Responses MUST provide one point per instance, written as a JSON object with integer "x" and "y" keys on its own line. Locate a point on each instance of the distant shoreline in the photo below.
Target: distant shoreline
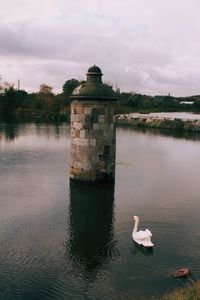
{"x": 160, "y": 121}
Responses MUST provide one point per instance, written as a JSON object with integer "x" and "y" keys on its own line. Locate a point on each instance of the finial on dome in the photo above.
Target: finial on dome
{"x": 94, "y": 70}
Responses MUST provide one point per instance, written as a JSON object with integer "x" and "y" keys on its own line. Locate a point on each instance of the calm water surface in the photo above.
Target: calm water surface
{"x": 72, "y": 241}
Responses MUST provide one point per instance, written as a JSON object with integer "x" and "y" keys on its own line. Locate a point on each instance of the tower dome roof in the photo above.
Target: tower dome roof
{"x": 94, "y": 70}
{"x": 94, "y": 88}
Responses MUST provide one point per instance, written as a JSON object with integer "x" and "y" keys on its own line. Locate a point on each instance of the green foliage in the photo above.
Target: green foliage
{"x": 142, "y": 103}
{"x": 11, "y": 99}
{"x": 197, "y": 104}
{"x": 44, "y": 102}
{"x": 69, "y": 86}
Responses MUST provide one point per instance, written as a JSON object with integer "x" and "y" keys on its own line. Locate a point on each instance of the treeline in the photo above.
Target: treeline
{"x": 131, "y": 102}
{"x": 43, "y": 104}
{"x": 46, "y": 105}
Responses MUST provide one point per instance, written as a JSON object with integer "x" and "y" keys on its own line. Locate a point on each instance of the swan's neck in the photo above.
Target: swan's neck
{"x": 136, "y": 225}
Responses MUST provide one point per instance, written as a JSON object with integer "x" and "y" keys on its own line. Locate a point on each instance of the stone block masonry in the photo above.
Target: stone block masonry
{"x": 92, "y": 141}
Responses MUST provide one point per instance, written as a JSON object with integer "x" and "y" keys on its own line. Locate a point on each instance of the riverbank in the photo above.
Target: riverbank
{"x": 160, "y": 121}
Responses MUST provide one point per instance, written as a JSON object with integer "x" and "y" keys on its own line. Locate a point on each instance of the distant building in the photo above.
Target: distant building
{"x": 160, "y": 97}
{"x": 163, "y": 97}
{"x": 187, "y": 102}
{"x": 196, "y": 97}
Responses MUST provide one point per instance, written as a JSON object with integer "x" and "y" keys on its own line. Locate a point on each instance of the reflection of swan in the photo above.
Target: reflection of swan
{"x": 142, "y": 237}
{"x": 146, "y": 251}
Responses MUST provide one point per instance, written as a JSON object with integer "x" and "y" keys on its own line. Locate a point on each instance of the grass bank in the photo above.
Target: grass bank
{"x": 191, "y": 292}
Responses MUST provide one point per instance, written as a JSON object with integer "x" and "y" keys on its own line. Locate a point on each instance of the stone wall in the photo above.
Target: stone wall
{"x": 92, "y": 141}
{"x": 158, "y": 122}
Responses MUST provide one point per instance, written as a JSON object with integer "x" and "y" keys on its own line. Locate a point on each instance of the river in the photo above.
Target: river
{"x": 62, "y": 240}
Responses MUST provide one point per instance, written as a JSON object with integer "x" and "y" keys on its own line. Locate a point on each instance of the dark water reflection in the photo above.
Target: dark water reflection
{"x": 62, "y": 240}
{"x": 10, "y": 131}
{"x": 179, "y": 134}
{"x": 144, "y": 250}
{"x": 91, "y": 225}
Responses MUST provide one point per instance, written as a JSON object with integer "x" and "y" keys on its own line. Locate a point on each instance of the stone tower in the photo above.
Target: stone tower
{"x": 92, "y": 130}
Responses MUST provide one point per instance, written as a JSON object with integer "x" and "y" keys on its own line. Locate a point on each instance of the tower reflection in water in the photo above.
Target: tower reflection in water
{"x": 91, "y": 231}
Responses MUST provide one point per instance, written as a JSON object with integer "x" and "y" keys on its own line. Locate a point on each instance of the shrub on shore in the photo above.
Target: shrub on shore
{"x": 191, "y": 292}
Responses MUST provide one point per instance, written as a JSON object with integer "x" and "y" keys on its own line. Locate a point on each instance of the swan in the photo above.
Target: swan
{"x": 142, "y": 237}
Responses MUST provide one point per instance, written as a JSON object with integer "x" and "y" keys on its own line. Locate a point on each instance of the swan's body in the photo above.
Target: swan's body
{"x": 142, "y": 237}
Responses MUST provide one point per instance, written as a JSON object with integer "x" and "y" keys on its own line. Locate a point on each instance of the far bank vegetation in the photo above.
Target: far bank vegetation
{"x": 45, "y": 104}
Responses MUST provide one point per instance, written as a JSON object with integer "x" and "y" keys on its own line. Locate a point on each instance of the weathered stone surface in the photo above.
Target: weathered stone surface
{"x": 77, "y": 125}
{"x": 88, "y": 110}
{"x": 92, "y": 141}
{"x": 81, "y": 142}
{"x": 96, "y": 126}
{"x": 78, "y": 109}
{"x": 81, "y": 118}
{"x": 101, "y": 118}
{"x": 82, "y": 133}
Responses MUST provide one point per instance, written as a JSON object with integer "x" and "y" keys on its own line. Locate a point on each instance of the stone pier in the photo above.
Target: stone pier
{"x": 92, "y": 130}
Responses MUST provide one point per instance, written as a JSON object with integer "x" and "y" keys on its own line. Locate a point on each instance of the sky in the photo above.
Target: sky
{"x": 150, "y": 47}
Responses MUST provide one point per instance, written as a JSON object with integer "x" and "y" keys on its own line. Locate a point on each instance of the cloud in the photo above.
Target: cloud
{"x": 144, "y": 46}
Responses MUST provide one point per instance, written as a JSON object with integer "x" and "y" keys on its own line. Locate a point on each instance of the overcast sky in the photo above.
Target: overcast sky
{"x": 146, "y": 46}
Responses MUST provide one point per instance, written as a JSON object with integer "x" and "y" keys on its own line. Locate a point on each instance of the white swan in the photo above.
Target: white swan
{"x": 142, "y": 237}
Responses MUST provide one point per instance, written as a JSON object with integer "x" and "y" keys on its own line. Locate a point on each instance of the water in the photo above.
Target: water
{"x": 73, "y": 241}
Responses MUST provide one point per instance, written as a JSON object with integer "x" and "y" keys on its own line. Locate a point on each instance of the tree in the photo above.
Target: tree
{"x": 45, "y": 89}
{"x": 5, "y": 86}
{"x": 11, "y": 100}
{"x": 69, "y": 86}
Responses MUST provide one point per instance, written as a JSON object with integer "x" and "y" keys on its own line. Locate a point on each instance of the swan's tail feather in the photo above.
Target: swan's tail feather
{"x": 147, "y": 244}
{"x": 148, "y": 232}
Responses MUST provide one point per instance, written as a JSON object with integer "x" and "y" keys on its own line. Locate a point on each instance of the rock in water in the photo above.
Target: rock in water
{"x": 182, "y": 273}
